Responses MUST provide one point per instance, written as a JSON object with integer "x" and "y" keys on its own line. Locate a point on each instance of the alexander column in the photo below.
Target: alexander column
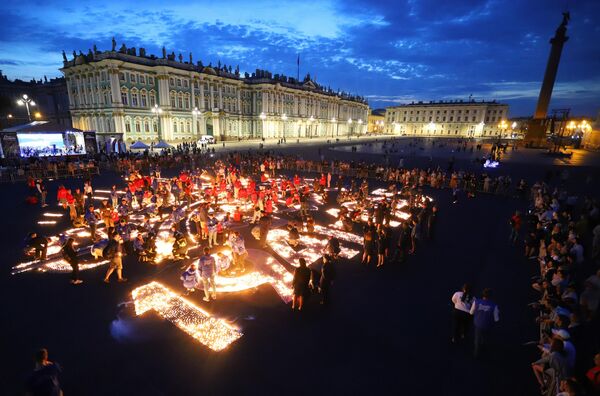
{"x": 536, "y": 132}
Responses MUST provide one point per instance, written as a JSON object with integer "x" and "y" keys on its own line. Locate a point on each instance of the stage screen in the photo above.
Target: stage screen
{"x": 51, "y": 144}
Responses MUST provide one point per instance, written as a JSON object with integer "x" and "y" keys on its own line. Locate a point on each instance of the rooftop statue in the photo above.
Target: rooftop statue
{"x": 114, "y": 44}
{"x": 95, "y": 49}
{"x": 180, "y": 58}
{"x": 191, "y": 62}
{"x": 64, "y": 56}
{"x": 164, "y": 52}
{"x": 123, "y": 49}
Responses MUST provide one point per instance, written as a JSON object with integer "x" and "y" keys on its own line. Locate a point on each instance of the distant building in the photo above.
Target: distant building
{"x": 114, "y": 93}
{"x": 376, "y": 122}
{"x": 50, "y": 96}
{"x": 448, "y": 118}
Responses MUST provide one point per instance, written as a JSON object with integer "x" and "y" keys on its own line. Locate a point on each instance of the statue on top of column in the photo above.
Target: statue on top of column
{"x": 566, "y": 18}
{"x": 114, "y": 44}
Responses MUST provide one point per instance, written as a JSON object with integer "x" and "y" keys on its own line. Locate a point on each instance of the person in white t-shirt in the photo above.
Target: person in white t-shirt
{"x": 461, "y": 316}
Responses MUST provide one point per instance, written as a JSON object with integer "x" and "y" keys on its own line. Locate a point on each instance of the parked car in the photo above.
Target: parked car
{"x": 206, "y": 139}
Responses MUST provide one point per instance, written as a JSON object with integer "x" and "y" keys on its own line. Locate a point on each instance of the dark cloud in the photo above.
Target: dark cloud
{"x": 388, "y": 50}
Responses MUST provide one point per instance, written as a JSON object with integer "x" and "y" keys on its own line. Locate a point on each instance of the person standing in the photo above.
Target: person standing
{"x": 515, "y": 226}
{"x": 461, "y": 316}
{"x": 41, "y": 188}
{"x": 114, "y": 197}
{"x": 70, "y": 256}
{"x": 44, "y": 378}
{"x": 208, "y": 269}
{"x": 238, "y": 248}
{"x": 300, "y": 284}
{"x": 91, "y": 217}
{"x": 485, "y": 315}
{"x": 114, "y": 252}
{"x": 327, "y": 277}
{"x": 212, "y": 224}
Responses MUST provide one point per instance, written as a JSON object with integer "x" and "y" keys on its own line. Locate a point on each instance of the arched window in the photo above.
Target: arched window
{"x": 152, "y": 98}
{"x": 146, "y": 126}
{"x": 175, "y": 126}
{"x": 138, "y": 125}
{"x": 124, "y": 98}
{"x": 181, "y": 127}
{"x": 180, "y": 102}
{"x": 144, "y": 98}
{"x": 127, "y": 125}
{"x": 173, "y": 100}
{"x": 134, "y": 98}
{"x": 155, "y": 126}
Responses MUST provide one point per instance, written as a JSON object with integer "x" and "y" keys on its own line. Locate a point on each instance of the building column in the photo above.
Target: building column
{"x": 202, "y": 96}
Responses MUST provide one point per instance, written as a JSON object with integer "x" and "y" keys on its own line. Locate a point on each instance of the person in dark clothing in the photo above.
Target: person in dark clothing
{"x": 39, "y": 243}
{"x": 44, "y": 379}
{"x": 70, "y": 256}
{"x": 300, "y": 284}
{"x": 485, "y": 315}
{"x": 461, "y": 315}
{"x": 333, "y": 246}
{"x": 369, "y": 242}
{"x": 264, "y": 225}
{"x": 327, "y": 277}
{"x": 382, "y": 246}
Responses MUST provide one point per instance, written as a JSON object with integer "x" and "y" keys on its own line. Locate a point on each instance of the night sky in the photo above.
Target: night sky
{"x": 388, "y": 51}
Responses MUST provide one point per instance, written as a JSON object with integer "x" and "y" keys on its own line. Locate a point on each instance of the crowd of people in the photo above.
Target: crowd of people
{"x": 221, "y": 191}
{"x": 561, "y": 239}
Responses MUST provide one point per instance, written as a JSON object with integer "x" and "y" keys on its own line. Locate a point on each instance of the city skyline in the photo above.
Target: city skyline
{"x": 388, "y": 52}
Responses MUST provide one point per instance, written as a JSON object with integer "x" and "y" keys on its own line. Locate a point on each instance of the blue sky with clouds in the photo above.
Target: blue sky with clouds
{"x": 389, "y": 51}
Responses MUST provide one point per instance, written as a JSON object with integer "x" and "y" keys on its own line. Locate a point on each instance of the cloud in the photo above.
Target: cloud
{"x": 385, "y": 49}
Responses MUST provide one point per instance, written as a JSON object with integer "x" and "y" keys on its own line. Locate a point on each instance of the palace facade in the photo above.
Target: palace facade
{"x": 448, "y": 119}
{"x": 125, "y": 94}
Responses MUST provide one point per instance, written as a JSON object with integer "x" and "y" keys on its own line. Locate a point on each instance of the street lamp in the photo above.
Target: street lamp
{"x": 502, "y": 126}
{"x": 157, "y": 111}
{"x": 26, "y": 101}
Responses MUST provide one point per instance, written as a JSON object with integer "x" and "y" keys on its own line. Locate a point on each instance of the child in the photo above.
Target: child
{"x": 190, "y": 278}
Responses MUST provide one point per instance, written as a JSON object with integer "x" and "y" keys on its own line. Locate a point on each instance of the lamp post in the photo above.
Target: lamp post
{"x": 195, "y": 114}
{"x": 158, "y": 111}
{"x": 503, "y": 126}
{"x": 26, "y": 101}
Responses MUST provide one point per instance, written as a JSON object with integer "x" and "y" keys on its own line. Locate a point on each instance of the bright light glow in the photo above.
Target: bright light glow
{"x": 215, "y": 333}
{"x": 53, "y": 214}
{"x": 46, "y": 222}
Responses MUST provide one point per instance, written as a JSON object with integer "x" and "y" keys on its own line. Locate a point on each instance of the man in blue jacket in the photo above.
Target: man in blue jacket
{"x": 485, "y": 315}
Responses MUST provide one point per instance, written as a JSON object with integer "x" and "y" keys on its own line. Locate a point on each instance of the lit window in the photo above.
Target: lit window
{"x": 124, "y": 98}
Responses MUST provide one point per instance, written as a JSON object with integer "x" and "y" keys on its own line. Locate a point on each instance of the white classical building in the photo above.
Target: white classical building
{"x": 128, "y": 95}
{"x": 448, "y": 119}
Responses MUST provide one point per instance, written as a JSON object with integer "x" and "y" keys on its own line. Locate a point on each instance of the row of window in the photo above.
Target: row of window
{"x": 136, "y": 98}
{"x": 135, "y": 78}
